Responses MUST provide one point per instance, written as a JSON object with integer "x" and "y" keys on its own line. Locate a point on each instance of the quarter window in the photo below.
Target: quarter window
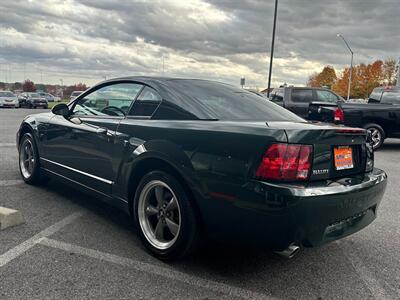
{"x": 146, "y": 104}
{"x": 302, "y": 95}
{"x": 111, "y": 100}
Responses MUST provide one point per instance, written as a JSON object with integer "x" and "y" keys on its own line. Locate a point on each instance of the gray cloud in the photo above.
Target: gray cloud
{"x": 209, "y": 39}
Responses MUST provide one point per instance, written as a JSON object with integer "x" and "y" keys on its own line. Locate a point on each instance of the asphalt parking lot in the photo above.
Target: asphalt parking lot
{"x": 72, "y": 246}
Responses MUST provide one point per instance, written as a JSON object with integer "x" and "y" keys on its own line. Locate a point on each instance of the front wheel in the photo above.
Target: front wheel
{"x": 377, "y": 135}
{"x": 165, "y": 216}
{"x": 29, "y": 160}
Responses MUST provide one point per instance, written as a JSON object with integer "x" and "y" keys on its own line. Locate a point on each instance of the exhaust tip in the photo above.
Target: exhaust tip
{"x": 289, "y": 252}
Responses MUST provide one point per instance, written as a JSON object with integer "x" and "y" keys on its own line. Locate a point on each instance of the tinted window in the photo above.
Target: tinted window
{"x": 392, "y": 97}
{"x": 146, "y": 103}
{"x": 226, "y": 102}
{"x": 326, "y": 96}
{"x": 302, "y": 95}
{"x": 112, "y": 100}
{"x": 376, "y": 95}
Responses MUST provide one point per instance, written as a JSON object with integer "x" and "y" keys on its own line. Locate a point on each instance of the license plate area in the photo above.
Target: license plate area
{"x": 343, "y": 158}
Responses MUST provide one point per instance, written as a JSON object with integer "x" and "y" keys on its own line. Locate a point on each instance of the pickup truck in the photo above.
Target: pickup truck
{"x": 298, "y": 99}
{"x": 380, "y": 116}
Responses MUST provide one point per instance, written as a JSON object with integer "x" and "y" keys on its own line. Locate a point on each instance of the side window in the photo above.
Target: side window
{"x": 110, "y": 100}
{"x": 302, "y": 95}
{"x": 146, "y": 104}
{"x": 326, "y": 96}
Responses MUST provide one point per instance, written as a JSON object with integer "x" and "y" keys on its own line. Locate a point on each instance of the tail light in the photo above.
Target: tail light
{"x": 339, "y": 115}
{"x": 288, "y": 162}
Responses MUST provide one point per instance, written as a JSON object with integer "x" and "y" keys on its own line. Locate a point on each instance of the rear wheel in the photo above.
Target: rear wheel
{"x": 377, "y": 134}
{"x": 165, "y": 217}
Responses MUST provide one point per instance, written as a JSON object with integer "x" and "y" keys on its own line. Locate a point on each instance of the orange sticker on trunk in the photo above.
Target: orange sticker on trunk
{"x": 343, "y": 158}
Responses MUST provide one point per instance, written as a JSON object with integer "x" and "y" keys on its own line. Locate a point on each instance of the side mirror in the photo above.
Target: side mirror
{"x": 61, "y": 109}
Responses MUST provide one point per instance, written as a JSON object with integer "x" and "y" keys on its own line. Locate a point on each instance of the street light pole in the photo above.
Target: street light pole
{"x": 272, "y": 48}
{"x": 351, "y": 65}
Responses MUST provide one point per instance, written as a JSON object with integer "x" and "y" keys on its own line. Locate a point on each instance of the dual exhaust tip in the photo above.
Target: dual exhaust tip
{"x": 289, "y": 252}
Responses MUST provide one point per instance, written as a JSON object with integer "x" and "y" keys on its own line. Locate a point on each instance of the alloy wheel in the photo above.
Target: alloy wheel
{"x": 376, "y": 136}
{"x": 27, "y": 158}
{"x": 159, "y": 214}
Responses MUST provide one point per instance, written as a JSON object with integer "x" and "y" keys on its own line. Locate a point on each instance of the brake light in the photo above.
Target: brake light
{"x": 339, "y": 115}
{"x": 288, "y": 162}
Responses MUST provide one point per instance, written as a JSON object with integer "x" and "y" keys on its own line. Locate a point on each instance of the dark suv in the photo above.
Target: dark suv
{"x": 32, "y": 100}
{"x": 297, "y": 99}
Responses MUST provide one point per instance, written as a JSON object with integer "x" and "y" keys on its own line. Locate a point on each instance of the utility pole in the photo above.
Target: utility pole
{"x": 351, "y": 65}
{"x": 398, "y": 73}
{"x": 272, "y": 49}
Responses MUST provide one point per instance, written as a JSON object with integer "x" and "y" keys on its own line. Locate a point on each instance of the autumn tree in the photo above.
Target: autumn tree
{"x": 28, "y": 86}
{"x": 390, "y": 70}
{"x": 327, "y": 77}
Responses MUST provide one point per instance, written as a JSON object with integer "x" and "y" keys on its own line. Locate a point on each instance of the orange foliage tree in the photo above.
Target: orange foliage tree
{"x": 326, "y": 78}
{"x": 365, "y": 77}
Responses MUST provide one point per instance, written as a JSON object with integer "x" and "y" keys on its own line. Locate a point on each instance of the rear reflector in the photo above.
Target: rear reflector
{"x": 288, "y": 162}
{"x": 339, "y": 115}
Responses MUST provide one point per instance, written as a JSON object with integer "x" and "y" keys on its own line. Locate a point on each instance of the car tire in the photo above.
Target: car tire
{"x": 377, "y": 134}
{"x": 165, "y": 216}
{"x": 28, "y": 161}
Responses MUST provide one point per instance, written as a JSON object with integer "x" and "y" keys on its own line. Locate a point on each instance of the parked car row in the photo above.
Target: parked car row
{"x": 30, "y": 99}
{"x": 8, "y": 99}
{"x": 380, "y": 116}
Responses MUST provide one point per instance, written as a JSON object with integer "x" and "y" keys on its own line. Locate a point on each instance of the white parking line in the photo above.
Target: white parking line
{"x": 13, "y": 253}
{"x": 8, "y": 145}
{"x": 155, "y": 270}
{"x": 370, "y": 280}
{"x": 11, "y": 182}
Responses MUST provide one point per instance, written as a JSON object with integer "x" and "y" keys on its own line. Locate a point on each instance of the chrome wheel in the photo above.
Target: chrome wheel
{"x": 159, "y": 214}
{"x": 376, "y": 136}
{"x": 27, "y": 158}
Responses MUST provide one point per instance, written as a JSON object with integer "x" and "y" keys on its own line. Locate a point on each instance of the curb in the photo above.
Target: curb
{"x": 10, "y": 217}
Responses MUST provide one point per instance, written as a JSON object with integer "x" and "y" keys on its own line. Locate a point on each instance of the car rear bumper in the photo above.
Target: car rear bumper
{"x": 281, "y": 214}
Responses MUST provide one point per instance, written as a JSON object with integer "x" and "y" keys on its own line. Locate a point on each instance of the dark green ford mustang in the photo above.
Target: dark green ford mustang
{"x": 190, "y": 158}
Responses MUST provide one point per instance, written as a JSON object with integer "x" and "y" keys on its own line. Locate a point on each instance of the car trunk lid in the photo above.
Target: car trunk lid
{"x": 337, "y": 151}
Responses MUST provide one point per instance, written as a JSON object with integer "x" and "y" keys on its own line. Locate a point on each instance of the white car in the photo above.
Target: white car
{"x": 49, "y": 97}
{"x": 8, "y": 99}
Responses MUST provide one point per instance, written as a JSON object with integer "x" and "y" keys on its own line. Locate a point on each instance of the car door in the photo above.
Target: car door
{"x": 82, "y": 147}
{"x": 326, "y": 96}
{"x": 300, "y": 100}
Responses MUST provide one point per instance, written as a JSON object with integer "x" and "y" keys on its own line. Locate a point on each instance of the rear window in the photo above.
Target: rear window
{"x": 302, "y": 95}
{"x": 391, "y": 97}
{"x": 6, "y": 94}
{"x": 376, "y": 95}
{"x": 277, "y": 95}
{"x": 226, "y": 102}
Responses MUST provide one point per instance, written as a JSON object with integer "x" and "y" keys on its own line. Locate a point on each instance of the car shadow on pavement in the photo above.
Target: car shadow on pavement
{"x": 251, "y": 268}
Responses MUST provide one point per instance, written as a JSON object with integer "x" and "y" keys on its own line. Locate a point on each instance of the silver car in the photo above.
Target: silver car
{"x": 8, "y": 99}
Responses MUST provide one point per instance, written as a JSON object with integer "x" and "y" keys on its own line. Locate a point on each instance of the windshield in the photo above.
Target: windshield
{"x": 6, "y": 94}
{"x": 226, "y": 102}
{"x": 34, "y": 95}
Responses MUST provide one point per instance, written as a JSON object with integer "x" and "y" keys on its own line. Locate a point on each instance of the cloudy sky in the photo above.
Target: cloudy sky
{"x": 89, "y": 40}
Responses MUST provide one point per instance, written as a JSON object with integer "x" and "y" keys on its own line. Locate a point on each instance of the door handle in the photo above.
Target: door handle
{"x": 101, "y": 131}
